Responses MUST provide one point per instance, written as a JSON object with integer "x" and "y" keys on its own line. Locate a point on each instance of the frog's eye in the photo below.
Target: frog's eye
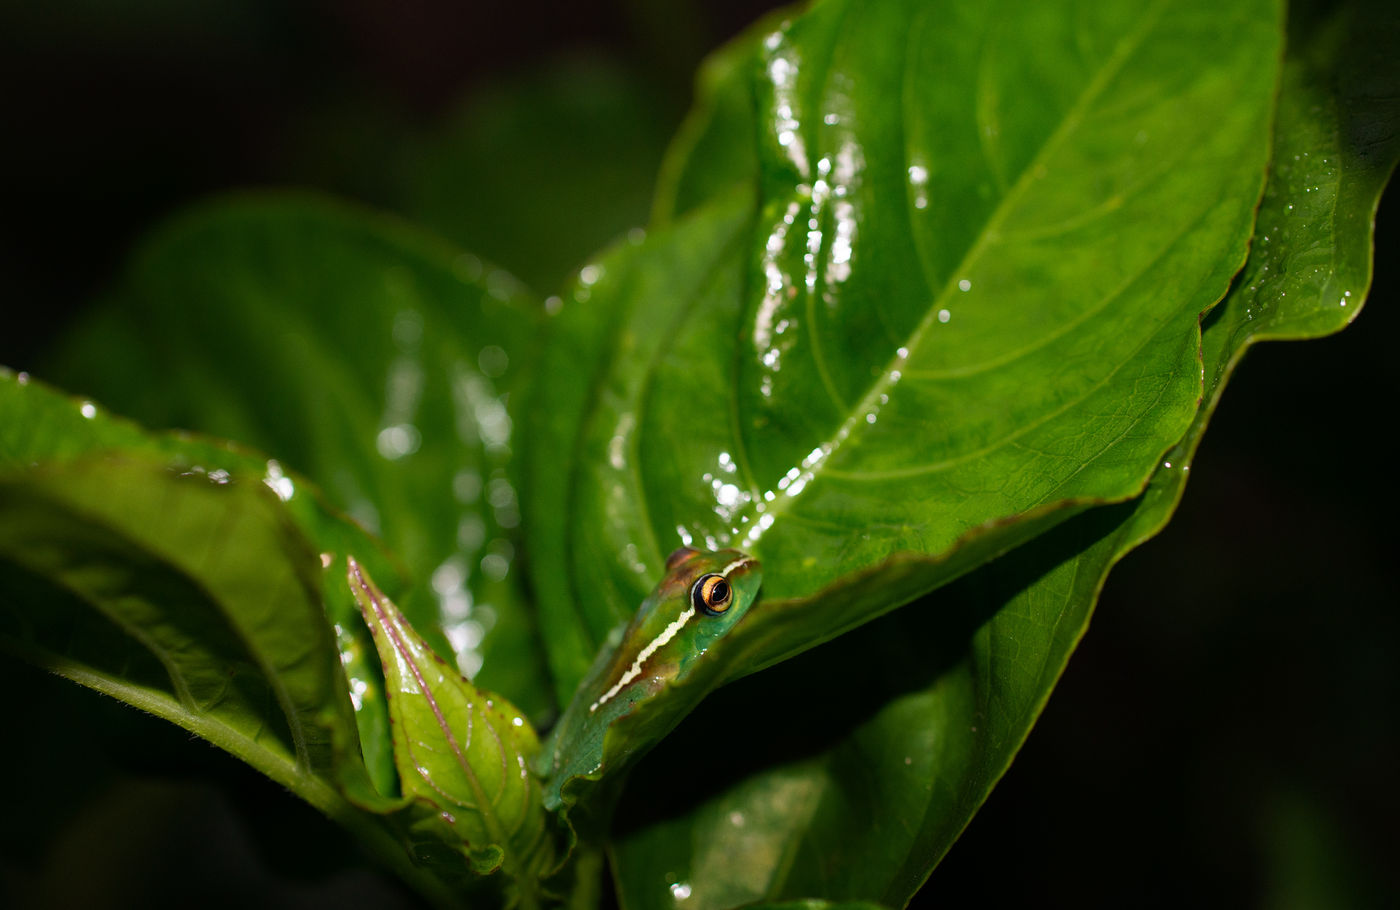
{"x": 712, "y": 595}
{"x": 679, "y": 556}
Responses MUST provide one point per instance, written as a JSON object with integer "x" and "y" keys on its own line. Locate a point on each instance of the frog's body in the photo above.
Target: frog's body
{"x": 702, "y": 596}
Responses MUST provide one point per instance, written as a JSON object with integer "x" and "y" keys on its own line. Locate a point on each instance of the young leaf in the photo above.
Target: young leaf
{"x": 465, "y": 752}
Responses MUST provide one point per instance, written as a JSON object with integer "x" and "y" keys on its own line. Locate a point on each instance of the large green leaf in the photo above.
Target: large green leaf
{"x": 193, "y": 597}
{"x": 375, "y": 360}
{"x": 867, "y": 802}
{"x": 950, "y": 321}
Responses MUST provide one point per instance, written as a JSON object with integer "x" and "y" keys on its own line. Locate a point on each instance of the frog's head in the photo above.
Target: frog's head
{"x": 719, "y": 586}
{"x": 703, "y": 594}
{"x": 650, "y": 676}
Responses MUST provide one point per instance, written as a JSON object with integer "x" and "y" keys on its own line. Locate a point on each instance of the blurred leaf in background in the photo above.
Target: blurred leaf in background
{"x": 539, "y": 172}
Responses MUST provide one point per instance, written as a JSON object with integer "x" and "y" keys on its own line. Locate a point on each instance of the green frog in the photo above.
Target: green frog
{"x": 641, "y": 681}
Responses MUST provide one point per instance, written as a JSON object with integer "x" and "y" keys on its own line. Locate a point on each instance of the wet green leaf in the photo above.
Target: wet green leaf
{"x": 43, "y": 426}
{"x": 868, "y": 801}
{"x": 1335, "y": 147}
{"x": 950, "y": 320}
{"x": 463, "y": 751}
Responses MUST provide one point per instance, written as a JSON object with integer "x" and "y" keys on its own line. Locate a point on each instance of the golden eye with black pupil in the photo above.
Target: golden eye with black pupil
{"x": 678, "y": 556}
{"x": 711, "y": 595}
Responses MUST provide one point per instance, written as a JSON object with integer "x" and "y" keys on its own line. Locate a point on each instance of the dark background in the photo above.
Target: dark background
{"x": 1226, "y": 735}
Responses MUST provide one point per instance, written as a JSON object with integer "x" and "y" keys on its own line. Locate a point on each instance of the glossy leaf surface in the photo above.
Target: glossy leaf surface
{"x": 947, "y": 313}
{"x": 867, "y": 802}
{"x": 464, "y": 751}
{"x": 373, "y": 359}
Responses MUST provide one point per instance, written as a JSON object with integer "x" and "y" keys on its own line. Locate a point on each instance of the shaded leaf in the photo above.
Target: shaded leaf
{"x": 43, "y": 426}
{"x": 195, "y": 599}
{"x": 921, "y": 711}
